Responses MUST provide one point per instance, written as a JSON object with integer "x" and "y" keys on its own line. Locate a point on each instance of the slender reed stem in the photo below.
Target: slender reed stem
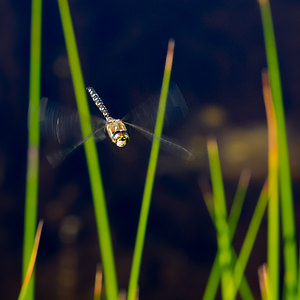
{"x": 91, "y": 156}
{"x": 140, "y": 237}
{"x": 29, "y": 272}
{"x": 273, "y": 191}
{"x": 287, "y": 205}
{"x": 250, "y": 238}
{"x": 215, "y": 273}
{"x": 263, "y": 278}
{"x": 98, "y": 283}
{"x": 223, "y": 231}
{"x": 31, "y": 202}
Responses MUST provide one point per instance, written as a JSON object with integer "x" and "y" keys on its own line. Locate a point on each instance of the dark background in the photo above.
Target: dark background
{"x": 219, "y": 55}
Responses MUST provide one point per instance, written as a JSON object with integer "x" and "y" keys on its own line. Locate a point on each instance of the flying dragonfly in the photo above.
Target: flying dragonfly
{"x": 64, "y": 126}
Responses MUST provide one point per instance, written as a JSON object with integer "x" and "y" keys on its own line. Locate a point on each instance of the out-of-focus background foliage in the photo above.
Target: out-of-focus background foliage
{"x": 219, "y": 55}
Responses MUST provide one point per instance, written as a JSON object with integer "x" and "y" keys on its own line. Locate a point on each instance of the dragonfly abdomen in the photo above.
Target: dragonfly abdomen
{"x": 99, "y": 103}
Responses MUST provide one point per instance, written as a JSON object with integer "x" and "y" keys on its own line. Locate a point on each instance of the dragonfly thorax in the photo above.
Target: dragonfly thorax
{"x": 117, "y": 132}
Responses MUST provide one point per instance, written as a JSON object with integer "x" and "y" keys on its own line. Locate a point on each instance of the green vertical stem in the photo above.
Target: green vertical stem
{"x": 238, "y": 202}
{"x": 31, "y": 201}
{"x": 31, "y": 264}
{"x": 298, "y": 296}
{"x": 140, "y": 237}
{"x": 273, "y": 191}
{"x": 223, "y": 231}
{"x": 214, "y": 277}
{"x": 250, "y": 238}
{"x": 91, "y": 156}
{"x": 262, "y": 277}
{"x": 287, "y": 206}
{"x": 98, "y": 283}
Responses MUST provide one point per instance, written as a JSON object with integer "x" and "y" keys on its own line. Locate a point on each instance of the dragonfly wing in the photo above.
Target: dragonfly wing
{"x": 165, "y": 143}
{"x": 145, "y": 114}
{"x": 64, "y": 127}
{"x": 57, "y": 157}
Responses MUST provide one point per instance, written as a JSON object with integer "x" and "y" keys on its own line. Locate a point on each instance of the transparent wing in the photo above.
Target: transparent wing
{"x": 58, "y": 156}
{"x": 64, "y": 127}
{"x": 165, "y": 143}
{"x": 145, "y": 114}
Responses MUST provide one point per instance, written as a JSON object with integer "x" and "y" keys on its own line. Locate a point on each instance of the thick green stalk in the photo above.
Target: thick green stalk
{"x": 287, "y": 206}
{"x": 91, "y": 156}
{"x": 31, "y": 203}
{"x": 140, "y": 237}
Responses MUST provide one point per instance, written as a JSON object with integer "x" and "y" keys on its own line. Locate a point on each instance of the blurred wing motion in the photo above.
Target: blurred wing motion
{"x": 64, "y": 127}
{"x": 145, "y": 114}
{"x": 143, "y": 118}
{"x": 165, "y": 143}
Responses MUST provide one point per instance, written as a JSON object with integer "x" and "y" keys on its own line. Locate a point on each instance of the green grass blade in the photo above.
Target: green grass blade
{"x": 250, "y": 236}
{"x": 214, "y": 279}
{"x": 140, "y": 237}
{"x": 244, "y": 288}
{"x": 263, "y": 282}
{"x": 238, "y": 202}
{"x": 208, "y": 198}
{"x": 31, "y": 202}
{"x": 287, "y": 206}
{"x": 298, "y": 297}
{"x": 215, "y": 274}
{"x": 29, "y": 272}
{"x": 223, "y": 231}
{"x": 273, "y": 191}
{"x": 91, "y": 155}
{"x": 98, "y": 283}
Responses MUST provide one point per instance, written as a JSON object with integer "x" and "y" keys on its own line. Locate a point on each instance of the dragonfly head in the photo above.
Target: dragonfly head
{"x": 117, "y": 132}
{"x": 120, "y": 138}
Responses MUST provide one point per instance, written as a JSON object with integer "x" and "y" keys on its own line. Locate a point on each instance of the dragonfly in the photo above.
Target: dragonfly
{"x": 64, "y": 126}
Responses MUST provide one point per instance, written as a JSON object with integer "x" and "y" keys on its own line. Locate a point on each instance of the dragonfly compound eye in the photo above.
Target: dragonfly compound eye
{"x": 121, "y": 138}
